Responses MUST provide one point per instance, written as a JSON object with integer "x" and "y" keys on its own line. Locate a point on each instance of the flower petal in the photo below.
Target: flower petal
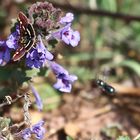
{"x": 59, "y": 85}
{"x": 37, "y": 98}
{"x": 75, "y": 38}
{"x": 67, "y": 19}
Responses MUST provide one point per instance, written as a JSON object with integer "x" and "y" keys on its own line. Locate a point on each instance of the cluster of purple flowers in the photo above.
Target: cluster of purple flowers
{"x": 66, "y": 33}
{"x": 6, "y": 47}
{"x": 39, "y": 55}
{"x": 38, "y": 130}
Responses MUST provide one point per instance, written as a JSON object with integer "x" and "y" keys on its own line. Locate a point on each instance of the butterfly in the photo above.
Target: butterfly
{"x": 27, "y": 37}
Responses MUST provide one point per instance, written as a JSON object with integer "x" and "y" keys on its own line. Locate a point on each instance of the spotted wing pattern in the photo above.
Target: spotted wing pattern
{"x": 27, "y": 37}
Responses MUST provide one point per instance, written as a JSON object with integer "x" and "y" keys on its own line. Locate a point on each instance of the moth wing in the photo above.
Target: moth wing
{"x": 19, "y": 54}
{"x": 29, "y": 45}
{"x": 22, "y": 19}
{"x": 27, "y": 37}
{"x": 31, "y": 31}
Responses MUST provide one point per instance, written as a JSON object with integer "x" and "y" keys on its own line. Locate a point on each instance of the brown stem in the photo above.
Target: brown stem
{"x": 12, "y": 101}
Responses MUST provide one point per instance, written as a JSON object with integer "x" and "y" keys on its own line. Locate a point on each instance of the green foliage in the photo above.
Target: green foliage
{"x": 14, "y": 76}
{"x": 32, "y": 72}
{"x": 132, "y": 65}
{"x": 82, "y": 73}
{"x": 52, "y": 43}
{"x": 110, "y": 43}
{"x": 123, "y": 138}
{"x": 43, "y": 72}
{"x": 50, "y": 97}
{"x": 102, "y": 55}
{"x": 4, "y": 128}
{"x": 5, "y": 73}
{"x": 3, "y": 14}
{"x": 4, "y": 123}
{"x": 112, "y": 131}
{"x": 109, "y": 5}
{"x": 11, "y": 78}
{"x": 5, "y": 91}
{"x": 69, "y": 138}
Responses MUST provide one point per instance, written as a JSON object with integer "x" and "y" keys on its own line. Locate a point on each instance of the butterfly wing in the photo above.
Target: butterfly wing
{"x": 23, "y": 20}
{"x": 19, "y": 54}
{"x": 31, "y": 37}
{"x": 27, "y": 37}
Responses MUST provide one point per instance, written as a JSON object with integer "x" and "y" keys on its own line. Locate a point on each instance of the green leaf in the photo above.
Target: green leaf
{"x": 123, "y": 138}
{"x": 5, "y": 91}
{"x": 32, "y": 72}
{"x": 19, "y": 76}
{"x": 5, "y": 73}
{"x": 131, "y": 64}
{"x": 43, "y": 72}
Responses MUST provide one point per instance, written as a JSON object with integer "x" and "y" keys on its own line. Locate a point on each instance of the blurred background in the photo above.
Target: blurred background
{"x": 109, "y": 50}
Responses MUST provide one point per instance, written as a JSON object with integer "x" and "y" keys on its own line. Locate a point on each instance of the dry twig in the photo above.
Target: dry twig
{"x": 11, "y": 101}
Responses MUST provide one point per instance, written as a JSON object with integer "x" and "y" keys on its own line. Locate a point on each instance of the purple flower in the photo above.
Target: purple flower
{"x": 58, "y": 34}
{"x": 57, "y": 69}
{"x": 26, "y": 133}
{"x": 37, "y": 56}
{"x": 66, "y": 34}
{"x": 8, "y": 45}
{"x": 4, "y": 53}
{"x": 67, "y": 19}
{"x": 64, "y": 79}
{"x": 12, "y": 41}
{"x": 38, "y": 130}
{"x": 70, "y": 37}
{"x": 37, "y": 97}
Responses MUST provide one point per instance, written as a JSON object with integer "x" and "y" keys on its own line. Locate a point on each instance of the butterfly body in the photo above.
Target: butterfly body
{"x": 27, "y": 37}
